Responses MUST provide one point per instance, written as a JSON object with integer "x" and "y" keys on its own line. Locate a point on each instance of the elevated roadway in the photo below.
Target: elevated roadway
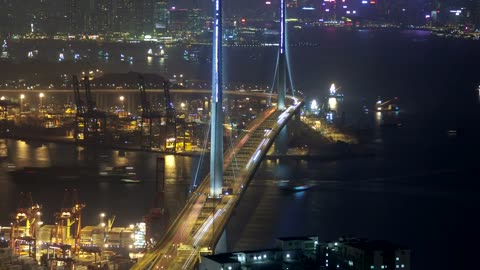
{"x": 200, "y": 225}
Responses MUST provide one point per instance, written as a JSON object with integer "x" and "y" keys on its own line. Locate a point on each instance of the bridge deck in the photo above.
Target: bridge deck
{"x": 201, "y": 222}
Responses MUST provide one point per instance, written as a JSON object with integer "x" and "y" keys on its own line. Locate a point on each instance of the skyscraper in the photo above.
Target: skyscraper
{"x": 144, "y": 10}
{"x": 74, "y": 15}
{"x": 100, "y": 16}
{"x": 160, "y": 16}
{"x": 125, "y": 17}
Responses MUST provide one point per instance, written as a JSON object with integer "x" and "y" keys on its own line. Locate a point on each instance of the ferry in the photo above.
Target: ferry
{"x": 158, "y": 52}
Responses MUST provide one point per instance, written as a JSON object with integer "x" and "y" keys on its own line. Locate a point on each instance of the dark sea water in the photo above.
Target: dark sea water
{"x": 420, "y": 190}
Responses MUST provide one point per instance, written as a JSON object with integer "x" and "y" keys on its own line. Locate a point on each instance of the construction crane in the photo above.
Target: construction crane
{"x": 27, "y": 215}
{"x": 70, "y": 214}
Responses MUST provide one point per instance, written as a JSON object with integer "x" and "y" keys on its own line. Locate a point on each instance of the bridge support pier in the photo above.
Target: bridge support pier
{"x": 281, "y": 143}
{"x": 221, "y": 246}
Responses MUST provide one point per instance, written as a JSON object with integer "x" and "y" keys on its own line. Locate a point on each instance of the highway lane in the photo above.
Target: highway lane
{"x": 179, "y": 249}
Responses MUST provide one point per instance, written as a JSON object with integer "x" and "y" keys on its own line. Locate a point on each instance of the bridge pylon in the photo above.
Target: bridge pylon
{"x": 282, "y": 70}
{"x": 216, "y": 124}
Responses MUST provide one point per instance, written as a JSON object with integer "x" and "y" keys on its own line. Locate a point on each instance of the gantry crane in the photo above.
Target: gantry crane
{"x": 152, "y": 118}
{"x": 70, "y": 214}
{"x": 95, "y": 120}
{"x": 149, "y": 116}
{"x": 28, "y": 215}
{"x": 171, "y": 120}
{"x": 90, "y": 122}
{"x": 80, "y": 125}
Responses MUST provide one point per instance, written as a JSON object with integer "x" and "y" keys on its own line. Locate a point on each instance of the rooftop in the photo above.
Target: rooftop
{"x": 222, "y": 258}
{"x": 296, "y": 238}
{"x": 373, "y": 245}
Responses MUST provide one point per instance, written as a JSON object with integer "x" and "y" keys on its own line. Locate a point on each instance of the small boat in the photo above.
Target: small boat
{"x": 130, "y": 180}
{"x": 125, "y": 174}
{"x": 387, "y": 124}
{"x": 295, "y": 185}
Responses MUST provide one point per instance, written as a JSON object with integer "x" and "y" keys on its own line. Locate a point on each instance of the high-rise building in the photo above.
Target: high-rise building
{"x": 99, "y": 18}
{"x": 6, "y": 17}
{"x": 161, "y": 16}
{"x": 144, "y": 10}
{"x": 125, "y": 16}
{"x": 74, "y": 15}
{"x": 476, "y": 14}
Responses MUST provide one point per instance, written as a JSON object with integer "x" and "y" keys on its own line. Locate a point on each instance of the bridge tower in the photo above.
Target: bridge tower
{"x": 282, "y": 71}
{"x": 216, "y": 129}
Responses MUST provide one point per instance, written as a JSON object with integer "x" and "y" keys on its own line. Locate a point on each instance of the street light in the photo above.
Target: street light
{"x": 41, "y": 95}
{"x": 122, "y": 98}
{"x": 22, "y": 97}
{"x": 2, "y": 98}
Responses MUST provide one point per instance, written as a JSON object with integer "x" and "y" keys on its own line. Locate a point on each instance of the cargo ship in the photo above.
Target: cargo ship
{"x": 32, "y": 175}
{"x": 77, "y": 174}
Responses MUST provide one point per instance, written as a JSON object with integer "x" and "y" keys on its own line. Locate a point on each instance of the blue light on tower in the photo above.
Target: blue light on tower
{"x": 282, "y": 26}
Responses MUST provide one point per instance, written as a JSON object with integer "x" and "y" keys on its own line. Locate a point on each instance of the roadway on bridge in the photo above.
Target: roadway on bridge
{"x": 200, "y": 224}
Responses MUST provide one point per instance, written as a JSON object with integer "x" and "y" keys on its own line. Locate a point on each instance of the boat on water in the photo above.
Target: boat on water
{"x": 390, "y": 105}
{"x": 76, "y": 174}
{"x": 294, "y": 185}
{"x": 333, "y": 92}
{"x": 392, "y": 124}
{"x": 125, "y": 174}
{"x": 156, "y": 52}
{"x": 32, "y": 175}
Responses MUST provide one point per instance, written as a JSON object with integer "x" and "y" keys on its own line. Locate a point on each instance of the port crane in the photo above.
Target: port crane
{"x": 27, "y": 215}
{"x": 94, "y": 118}
{"x": 80, "y": 125}
{"x": 69, "y": 215}
{"x": 151, "y": 119}
{"x": 149, "y": 116}
{"x": 171, "y": 120}
{"x": 90, "y": 122}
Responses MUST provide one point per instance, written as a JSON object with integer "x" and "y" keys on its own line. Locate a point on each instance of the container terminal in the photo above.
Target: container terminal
{"x": 28, "y": 243}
